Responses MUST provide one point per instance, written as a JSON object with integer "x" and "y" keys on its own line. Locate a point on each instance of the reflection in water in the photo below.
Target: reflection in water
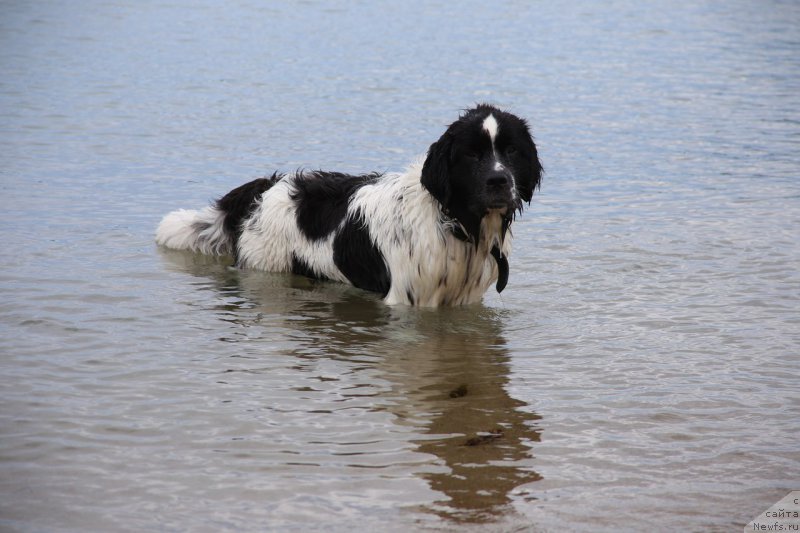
{"x": 448, "y": 370}
{"x": 481, "y": 434}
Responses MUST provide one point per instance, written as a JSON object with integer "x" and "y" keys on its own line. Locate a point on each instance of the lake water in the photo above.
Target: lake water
{"x": 640, "y": 371}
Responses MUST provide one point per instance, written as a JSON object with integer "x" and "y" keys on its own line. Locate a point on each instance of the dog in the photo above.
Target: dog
{"x": 436, "y": 234}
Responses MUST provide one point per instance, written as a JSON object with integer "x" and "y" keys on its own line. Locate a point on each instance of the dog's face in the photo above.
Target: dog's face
{"x": 484, "y": 162}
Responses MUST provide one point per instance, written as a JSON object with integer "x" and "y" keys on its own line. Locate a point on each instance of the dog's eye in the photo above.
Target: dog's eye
{"x": 511, "y": 149}
{"x": 472, "y": 155}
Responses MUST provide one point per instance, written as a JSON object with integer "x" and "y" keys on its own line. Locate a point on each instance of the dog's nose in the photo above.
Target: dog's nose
{"x": 497, "y": 180}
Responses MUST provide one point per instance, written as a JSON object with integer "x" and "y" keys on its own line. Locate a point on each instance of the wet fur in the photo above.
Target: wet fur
{"x": 435, "y": 234}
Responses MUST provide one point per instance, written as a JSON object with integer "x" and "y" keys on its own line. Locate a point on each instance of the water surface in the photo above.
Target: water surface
{"x": 639, "y": 371}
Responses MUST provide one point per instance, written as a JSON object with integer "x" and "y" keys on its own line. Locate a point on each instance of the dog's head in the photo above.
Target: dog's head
{"x": 485, "y": 162}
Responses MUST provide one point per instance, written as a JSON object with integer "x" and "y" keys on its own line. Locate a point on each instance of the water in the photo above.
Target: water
{"x": 640, "y": 370}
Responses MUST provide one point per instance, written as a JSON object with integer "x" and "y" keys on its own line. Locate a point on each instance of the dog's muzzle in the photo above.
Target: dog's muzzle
{"x": 499, "y": 192}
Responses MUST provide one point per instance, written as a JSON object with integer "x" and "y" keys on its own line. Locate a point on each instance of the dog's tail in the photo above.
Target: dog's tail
{"x": 196, "y": 230}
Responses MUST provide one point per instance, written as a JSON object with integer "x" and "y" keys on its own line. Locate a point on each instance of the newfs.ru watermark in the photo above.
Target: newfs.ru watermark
{"x": 783, "y": 516}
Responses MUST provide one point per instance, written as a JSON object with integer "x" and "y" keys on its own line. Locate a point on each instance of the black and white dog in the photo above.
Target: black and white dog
{"x": 436, "y": 234}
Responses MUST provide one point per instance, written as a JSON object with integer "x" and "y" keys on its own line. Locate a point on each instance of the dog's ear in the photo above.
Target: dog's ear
{"x": 436, "y": 170}
{"x": 532, "y": 177}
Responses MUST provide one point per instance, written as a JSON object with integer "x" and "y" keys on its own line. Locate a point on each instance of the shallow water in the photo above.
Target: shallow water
{"x": 640, "y": 370}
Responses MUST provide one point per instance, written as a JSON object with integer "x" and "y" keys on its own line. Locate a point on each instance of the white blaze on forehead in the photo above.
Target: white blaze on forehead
{"x": 490, "y": 126}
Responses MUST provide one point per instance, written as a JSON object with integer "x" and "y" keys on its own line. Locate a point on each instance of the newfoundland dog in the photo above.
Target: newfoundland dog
{"x": 435, "y": 234}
